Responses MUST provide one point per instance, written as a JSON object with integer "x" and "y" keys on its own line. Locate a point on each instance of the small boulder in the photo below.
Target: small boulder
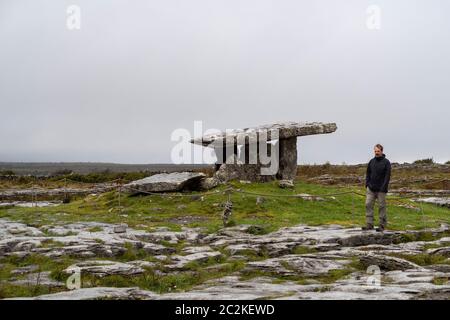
{"x": 286, "y": 184}
{"x": 121, "y": 228}
{"x": 209, "y": 183}
{"x": 260, "y": 200}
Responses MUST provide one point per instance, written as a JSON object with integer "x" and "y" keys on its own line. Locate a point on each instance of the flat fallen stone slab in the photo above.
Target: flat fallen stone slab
{"x": 166, "y": 182}
{"x": 286, "y": 130}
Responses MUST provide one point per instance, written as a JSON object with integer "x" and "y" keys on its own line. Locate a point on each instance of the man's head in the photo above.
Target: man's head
{"x": 378, "y": 150}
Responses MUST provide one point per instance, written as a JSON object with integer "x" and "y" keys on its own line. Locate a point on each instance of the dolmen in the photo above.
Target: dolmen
{"x": 261, "y": 153}
{"x": 258, "y": 154}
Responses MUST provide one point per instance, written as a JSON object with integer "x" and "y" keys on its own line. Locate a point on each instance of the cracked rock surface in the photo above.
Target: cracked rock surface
{"x": 299, "y": 262}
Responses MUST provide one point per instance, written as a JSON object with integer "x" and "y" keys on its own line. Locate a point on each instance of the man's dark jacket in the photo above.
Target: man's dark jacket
{"x": 378, "y": 174}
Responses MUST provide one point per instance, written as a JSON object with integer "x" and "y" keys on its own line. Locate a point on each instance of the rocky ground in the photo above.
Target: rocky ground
{"x": 27, "y": 194}
{"x": 72, "y": 242}
{"x": 299, "y": 262}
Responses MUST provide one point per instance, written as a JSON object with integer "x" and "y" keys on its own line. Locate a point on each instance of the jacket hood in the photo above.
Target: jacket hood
{"x": 381, "y": 157}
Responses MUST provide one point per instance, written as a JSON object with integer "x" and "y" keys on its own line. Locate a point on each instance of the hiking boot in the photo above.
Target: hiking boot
{"x": 366, "y": 228}
{"x": 380, "y": 229}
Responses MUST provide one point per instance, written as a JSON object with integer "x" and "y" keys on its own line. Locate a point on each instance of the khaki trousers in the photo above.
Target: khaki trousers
{"x": 370, "y": 202}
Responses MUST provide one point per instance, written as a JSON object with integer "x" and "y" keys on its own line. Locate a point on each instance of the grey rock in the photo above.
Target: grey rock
{"x": 38, "y": 279}
{"x": 28, "y": 194}
{"x": 24, "y": 270}
{"x": 103, "y": 268}
{"x": 421, "y": 192}
{"x": 287, "y": 166}
{"x": 260, "y": 200}
{"x": 286, "y": 130}
{"x": 179, "y": 262}
{"x": 326, "y": 248}
{"x": 196, "y": 249}
{"x": 142, "y": 263}
{"x": 335, "y": 179}
{"x": 98, "y": 293}
{"x": 286, "y": 184}
{"x": 443, "y": 251}
{"x": 209, "y": 183}
{"x": 387, "y": 263}
{"x": 440, "y": 267}
{"x": 413, "y": 276}
{"x": 236, "y": 170}
{"x": 166, "y": 182}
{"x": 309, "y": 197}
{"x": 122, "y": 228}
{"x": 25, "y": 204}
{"x": 158, "y": 249}
{"x": 443, "y": 202}
{"x": 238, "y": 249}
{"x": 295, "y": 265}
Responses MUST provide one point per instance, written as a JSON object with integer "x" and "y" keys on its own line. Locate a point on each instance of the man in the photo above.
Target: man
{"x": 377, "y": 182}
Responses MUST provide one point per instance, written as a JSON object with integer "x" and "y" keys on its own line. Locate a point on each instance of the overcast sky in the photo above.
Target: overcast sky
{"x": 114, "y": 90}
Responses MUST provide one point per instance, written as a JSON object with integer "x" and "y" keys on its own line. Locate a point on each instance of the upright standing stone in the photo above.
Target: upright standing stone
{"x": 288, "y": 159}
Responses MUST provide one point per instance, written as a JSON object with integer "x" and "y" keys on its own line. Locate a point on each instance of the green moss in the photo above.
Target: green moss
{"x": 8, "y": 290}
{"x": 424, "y": 259}
{"x": 258, "y": 230}
{"x": 334, "y": 275}
{"x": 424, "y": 236}
{"x": 440, "y": 281}
{"x": 54, "y": 266}
{"x": 132, "y": 253}
{"x": 303, "y": 250}
{"x": 197, "y": 265}
{"x": 322, "y": 289}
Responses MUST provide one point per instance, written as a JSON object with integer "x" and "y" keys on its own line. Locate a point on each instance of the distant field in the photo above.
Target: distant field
{"x": 51, "y": 168}
{"x": 421, "y": 176}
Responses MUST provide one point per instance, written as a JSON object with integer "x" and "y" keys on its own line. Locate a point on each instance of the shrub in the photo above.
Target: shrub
{"x": 424, "y": 161}
{"x": 7, "y": 173}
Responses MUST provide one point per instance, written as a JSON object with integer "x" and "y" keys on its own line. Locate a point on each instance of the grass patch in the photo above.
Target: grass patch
{"x": 152, "y": 211}
{"x": 334, "y": 275}
{"x": 440, "y": 281}
{"x": 54, "y": 266}
{"x": 303, "y": 250}
{"x": 162, "y": 283}
{"x": 424, "y": 259}
{"x": 8, "y": 290}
